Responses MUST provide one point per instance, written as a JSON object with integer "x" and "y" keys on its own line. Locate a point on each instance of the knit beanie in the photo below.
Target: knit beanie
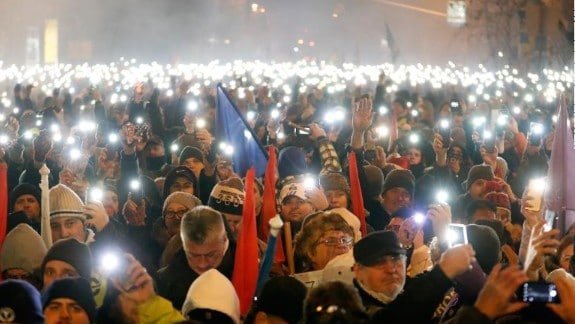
{"x": 72, "y": 252}
{"x": 213, "y": 291}
{"x": 283, "y": 297}
{"x": 190, "y": 152}
{"x": 176, "y": 173}
{"x": 24, "y": 189}
{"x": 188, "y": 200}
{"x": 334, "y": 181}
{"x": 20, "y": 303}
{"x": 291, "y": 162}
{"x": 23, "y": 248}
{"x": 478, "y": 172}
{"x": 76, "y": 289}
{"x": 399, "y": 179}
{"x": 486, "y": 244}
{"x": 228, "y": 196}
{"x": 374, "y": 177}
{"x": 64, "y": 202}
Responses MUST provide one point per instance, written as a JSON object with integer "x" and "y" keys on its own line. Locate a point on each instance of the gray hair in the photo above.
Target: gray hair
{"x": 199, "y": 223}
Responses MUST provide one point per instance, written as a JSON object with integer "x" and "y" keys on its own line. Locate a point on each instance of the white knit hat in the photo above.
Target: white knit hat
{"x": 64, "y": 202}
{"x": 213, "y": 291}
{"x": 23, "y": 248}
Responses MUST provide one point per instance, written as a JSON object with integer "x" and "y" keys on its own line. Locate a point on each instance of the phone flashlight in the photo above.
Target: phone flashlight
{"x": 383, "y": 110}
{"x": 251, "y": 115}
{"x": 193, "y": 106}
{"x": 16, "y": 111}
{"x": 75, "y": 154}
{"x": 502, "y": 120}
{"x": 414, "y": 138}
{"x": 414, "y": 113}
{"x": 419, "y": 218}
{"x": 57, "y": 137}
{"x": 456, "y": 235}
{"x": 309, "y": 182}
{"x": 441, "y": 196}
{"x": 382, "y": 131}
{"x": 135, "y": 185}
{"x": 139, "y": 120}
{"x": 516, "y": 110}
{"x": 113, "y": 138}
{"x": 4, "y": 139}
{"x": 174, "y": 148}
{"x": 275, "y": 114}
{"x": 28, "y": 135}
{"x": 201, "y": 123}
{"x": 96, "y": 194}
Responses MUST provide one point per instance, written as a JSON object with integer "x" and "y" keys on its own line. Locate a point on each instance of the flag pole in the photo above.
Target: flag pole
{"x": 289, "y": 248}
{"x": 46, "y": 231}
{"x": 266, "y": 266}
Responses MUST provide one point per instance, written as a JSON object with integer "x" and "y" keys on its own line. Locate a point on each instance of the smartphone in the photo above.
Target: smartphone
{"x": 456, "y": 235}
{"x": 538, "y": 293}
{"x": 114, "y": 265}
{"x": 444, "y": 130}
{"x": 535, "y": 134}
{"x": 455, "y": 107}
{"x": 535, "y": 190}
{"x": 369, "y": 155}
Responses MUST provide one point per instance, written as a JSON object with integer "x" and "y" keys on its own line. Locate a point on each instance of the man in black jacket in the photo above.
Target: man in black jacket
{"x": 206, "y": 245}
{"x": 380, "y": 278}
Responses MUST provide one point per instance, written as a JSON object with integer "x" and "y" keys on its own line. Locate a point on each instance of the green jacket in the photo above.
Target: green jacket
{"x": 159, "y": 310}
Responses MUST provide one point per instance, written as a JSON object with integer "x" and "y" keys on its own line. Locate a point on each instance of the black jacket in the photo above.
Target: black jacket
{"x": 175, "y": 279}
{"x": 416, "y": 304}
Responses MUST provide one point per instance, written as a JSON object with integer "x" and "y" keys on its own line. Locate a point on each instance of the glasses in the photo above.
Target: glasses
{"x": 175, "y": 214}
{"x": 335, "y": 241}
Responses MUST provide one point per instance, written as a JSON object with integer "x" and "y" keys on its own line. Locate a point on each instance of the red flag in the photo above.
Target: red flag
{"x": 3, "y": 201}
{"x": 269, "y": 208}
{"x": 356, "y": 196}
{"x": 246, "y": 267}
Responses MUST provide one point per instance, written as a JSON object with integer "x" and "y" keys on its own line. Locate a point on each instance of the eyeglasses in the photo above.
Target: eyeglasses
{"x": 335, "y": 241}
{"x": 175, "y": 214}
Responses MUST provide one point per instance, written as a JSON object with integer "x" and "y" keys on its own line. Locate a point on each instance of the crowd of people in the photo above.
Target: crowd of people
{"x": 146, "y": 205}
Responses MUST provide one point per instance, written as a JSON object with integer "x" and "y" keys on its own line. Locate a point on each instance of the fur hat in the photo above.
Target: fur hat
{"x": 334, "y": 181}
{"x": 64, "y": 202}
{"x": 228, "y": 196}
{"x": 212, "y": 292}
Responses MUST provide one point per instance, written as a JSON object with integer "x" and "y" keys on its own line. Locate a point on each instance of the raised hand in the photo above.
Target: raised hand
{"x": 362, "y": 115}
{"x": 495, "y": 298}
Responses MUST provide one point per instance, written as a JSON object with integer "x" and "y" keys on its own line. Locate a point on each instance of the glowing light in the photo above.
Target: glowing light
{"x": 442, "y": 196}
{"x": 201, "y": 123}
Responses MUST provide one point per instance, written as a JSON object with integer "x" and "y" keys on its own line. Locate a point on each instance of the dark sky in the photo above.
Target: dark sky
{"x": 197, "y": 30}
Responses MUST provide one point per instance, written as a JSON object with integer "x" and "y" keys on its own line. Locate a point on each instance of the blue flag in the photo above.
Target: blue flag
{"x": 233, "y": 130}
